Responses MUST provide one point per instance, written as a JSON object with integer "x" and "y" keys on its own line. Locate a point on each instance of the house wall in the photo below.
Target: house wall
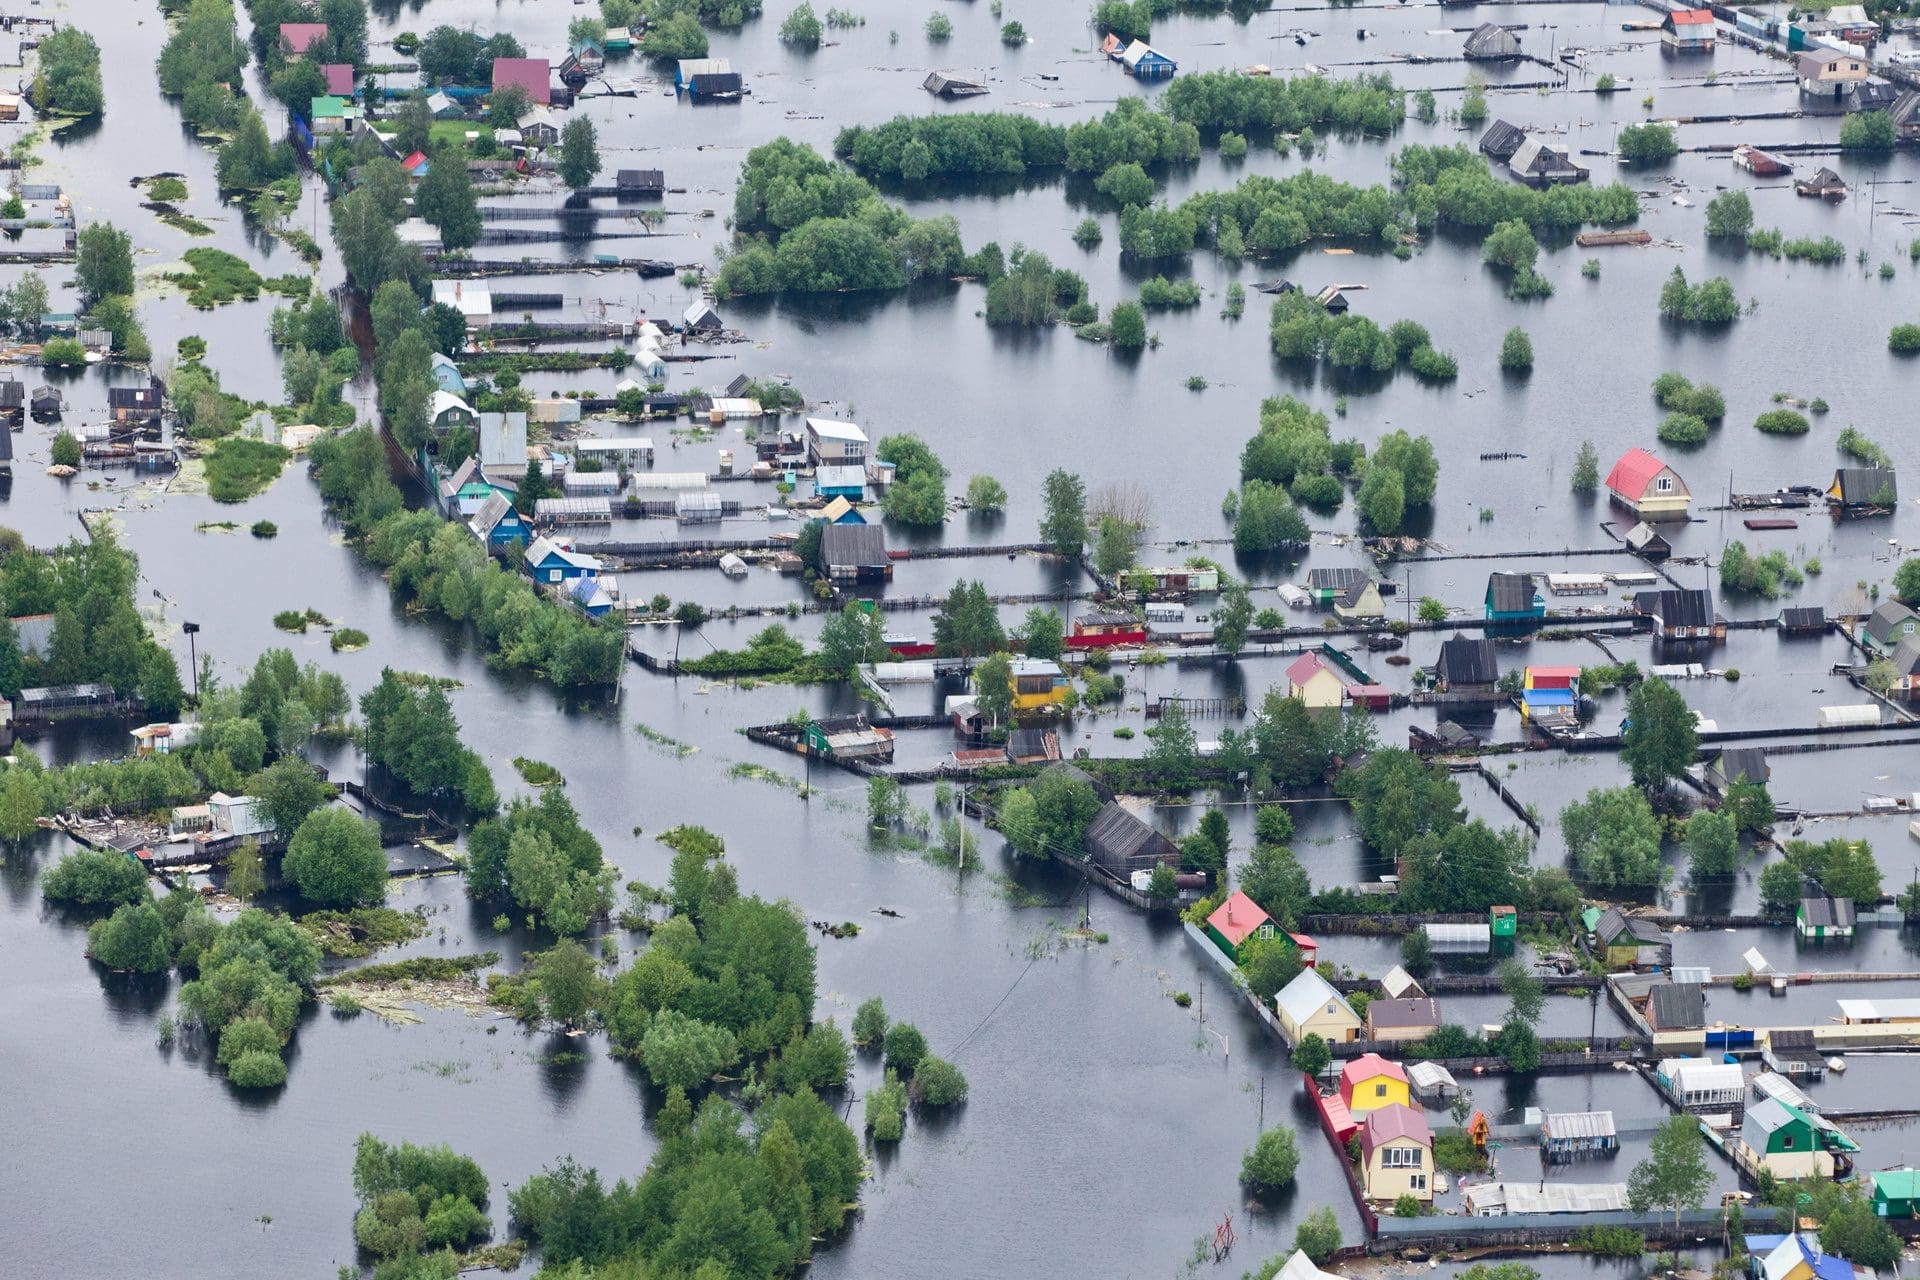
{"x": 1390, "y": 1183}
{"x": 1398, "y": 1034}
{"x": 1322, "y": 689}
{"x": 1335, "y": 1028}
{"x": 1381, "y": 1091}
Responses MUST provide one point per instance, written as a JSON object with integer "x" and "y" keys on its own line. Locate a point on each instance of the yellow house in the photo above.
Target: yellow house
{"x": 1370, "y": 1082}
{"x": 1310, "y": 1006}
{"x": 1359, "y": 603}
{"x": 1314, "y": 682}
{"x": 1396, "y": 1154}
{"x": 1037, "y": 683}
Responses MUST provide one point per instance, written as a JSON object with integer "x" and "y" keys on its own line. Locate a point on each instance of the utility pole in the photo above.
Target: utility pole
{"x": 192, "y": 629}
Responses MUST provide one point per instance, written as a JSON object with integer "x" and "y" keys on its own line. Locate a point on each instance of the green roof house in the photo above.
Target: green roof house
{"x": 1896, "y": 1193}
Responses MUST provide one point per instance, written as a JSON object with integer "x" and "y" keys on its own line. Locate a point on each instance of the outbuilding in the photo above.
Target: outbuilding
{"x": 1370, "y": 1081}
{"x": 1120, "y": 843}
{"x": 1491, "y": 42}
{"x": 1825, "y": 919}
{"x": 1414, "y": 1018}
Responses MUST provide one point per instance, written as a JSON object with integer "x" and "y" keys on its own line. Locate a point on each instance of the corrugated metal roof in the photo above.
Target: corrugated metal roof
{"x": 1572, "y": 1125}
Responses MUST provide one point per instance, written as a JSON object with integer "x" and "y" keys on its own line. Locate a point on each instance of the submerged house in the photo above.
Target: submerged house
{"x": 1890, "y": 623}
{"x": 1576, "y": 1135}
{"x": 1409, "y": 1018}
{"x": 707, "y": 80}
{"x": 1823, "y": 183}
{"x": 1825, "y": 919}
{"x": 1687, "y": 31}
{"x": 1681, "y": 614}
{"x": 944, "y": 84}
{"x": 1825, "y": 73}
{"x": 1396, "y": 1154}
{"x": 1360, "y": 602}
{"x": 855, "y": 553}
{"x": 1119, "y": 843}
{"x": 1539, "y": 165}
{"x": 1514, "y": 603}
{"x": 1856, "y": 487}
{"x": 1735, "y": 764}
{"x": 1648, "y": 487}
{"x": 1792, "y": 1052}
{"x": 1467, "y": 663}
{"x": 1789, "y": 1143}
{"x": 1501, "y": 140}
{"x": 1621, "y": 939}
{"x": 1490, "y": 42}
{"x": 1328, "y": 585}
{"x": 1312, "y": 679}
{"x": 548, "y": 561}
{"x": 1144, "y": 62}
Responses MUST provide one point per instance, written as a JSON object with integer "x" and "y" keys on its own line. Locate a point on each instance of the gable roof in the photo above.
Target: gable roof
{"x": 503, "y": 440}
{"x": 300, "y": 36}
{"x": 1828, "y": 912}
{"x": 1392, "y": 1123}
{"x": 1413, "y": 1011}
{"x": 1735, "y": 763}
{"x": 1237, "y": 918}
{"x": 854, "y": 546}
{"x": 1490, "y": 40}
{"x": 1633, "y": 473}
{"x": 1770, "y": 1115}
{"x": 1861, "y": 485}
{"x": 1367, "y": 1067}
{"x": 1307, "y": 995}
{"x": 339, "y": 78}
{"x": 1467, "y": 660}
{"x": 1399, "y": 984}
{"x": 543, "y": 549}
{"x": 1117, "y": 838}
{"x": 1803, "y": 616}
{"x": 1535, "y": 156}
{"x": 1335, "y": 579}
{"x": 1614, "y": 922}
{"x": 492, "y": 512}
{"x": 1690, "y": 17}
{"x": 1501, "y": 140}
{"x": 445, "y": 400}
{"x": 1681, "y": 607}
{"x": 1510, "y": 592}
{"x": 1785, "y": 1258}
{"x": 1306, "y": 666}
{"x": 1678, "y": 1006}
{"x": 530, "y": 74}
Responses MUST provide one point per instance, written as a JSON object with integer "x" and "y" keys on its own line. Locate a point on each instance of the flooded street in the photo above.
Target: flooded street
{"x": 1104, "y": 1127}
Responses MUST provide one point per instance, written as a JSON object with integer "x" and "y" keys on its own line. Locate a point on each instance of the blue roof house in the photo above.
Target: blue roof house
{"x": 498, "y": 524}
{"x": 592, "y": 595}
{"x": 840, "y": 482}
{"x": 1144, "y": 62}
{"x": 548, "y": 561}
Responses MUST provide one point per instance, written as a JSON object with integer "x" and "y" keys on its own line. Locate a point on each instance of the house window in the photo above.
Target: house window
{"x": 1786, "y": 1142}
{"x": 1418, "y": 1182}
{"x": 553, "y": 575}
{"x": 1380, "y": 1091}
{"x": 1664, "y": 484}
{"x": 1403, "y": 1158}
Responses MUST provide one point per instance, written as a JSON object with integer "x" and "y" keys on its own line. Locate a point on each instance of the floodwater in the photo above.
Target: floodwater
{"x": 1105, "y": 1124}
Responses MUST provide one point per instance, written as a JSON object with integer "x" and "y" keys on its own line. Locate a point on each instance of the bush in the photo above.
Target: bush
{"x": 1128, "y": 326}
{"x": 265, "y": 529}
{"x": 870, "y": 1022}
{"x": 1649, "y": 142}
{"x": 1904, "y": 339}
{"x": 1868, "y": 131}
{"x": 257, "y": 1070}
{"x": 1783, "y": 422}
{"x": 1088, "y": 233}
{"x": 938, "y": 1083}
{"x": 347, "y": 638}
{"x": 63, "y": 353}
{"x": 1160, "y": 293}
{"x": 939, "y": 26}
{"x": 1434, "y": 366}
{"x": 1516, "y": 351}
{"x": 904, "y": 1047}
{"x": 1271, "y": 1161}
{"x": 1683, "y": 428}
{"x": 66, "y": 450}
{"x": 95, "y": 878}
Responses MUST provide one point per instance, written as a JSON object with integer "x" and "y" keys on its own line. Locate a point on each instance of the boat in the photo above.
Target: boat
{"x": 1836, "y": 1064}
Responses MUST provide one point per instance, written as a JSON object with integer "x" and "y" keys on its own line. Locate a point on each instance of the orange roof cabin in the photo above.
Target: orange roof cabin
{"x": 1648, "y": 487}
{"x": 1236, "y": 920}
{"x": 1370, "y": 1081}
{"x": 1479, "y": 1130}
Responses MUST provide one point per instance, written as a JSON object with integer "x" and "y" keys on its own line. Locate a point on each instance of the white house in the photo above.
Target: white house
{"x": 831, "y": 443}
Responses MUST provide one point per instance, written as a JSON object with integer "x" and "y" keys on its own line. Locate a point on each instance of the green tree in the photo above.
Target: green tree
{"x": 1397, "y": 796}
{"x": 134, "y": 938}
{"x": 870, "y": 1022}
{"x": 1648, "y": 142}
{"x": 802, "y": 27}
{"x": 993, "y": 687}
{"x": 413, "y": 124}
{"x": 569, "y": 985}
{"x": 94, "y": 878}
{"x": 245, "y": 878}
{"x": 1749, "y": 805}
{"x": 1064, "y": 524}
{"x": 1174, "y": 755}
{"x": 1781, "y": 887}
{"x": 1311, "y": 1057}
{"x": 1713, "y": 844}
{"x": 1116, "y": 545}
{"x": 1318, "y": 1235}
{"x": 1675, "y": 1174}
{"x": 1416, "y": 953}
{"x": 19, "y": 805}
{"x": 1382, "y": 498}
{"x": 579, "y": 153}
{"x": 1868, "y": 131}
{"x": 1906, "y": 581}
{"x": 1526, "y": 994}
{"x": 334, "y": 859}
{"x": 1613, "y": 838}
{"x": 1511, "y": 246}
{"x": 1042, "y": 635}
{"x": 1662, "y": 736}
{"x": 685, "y": 1051}
{"x": 1270, "y": 1163}
{"x": 1730, "y": 215}
{"x": 905, "y": 1047}
{"x": 1232, "y": 619}
{"x": 851, "y": 637}
{"x": 1274, "y": 878}
{"x": 1127, "y": 326}
{"x": 1586, "y": 469}
{"x": 1267, "y": 965}
{"x": 104, "y": 267}
{"x": 967, "y": 624}
{"x": 1516, "y": 351}
{"x": 445, "y": 198}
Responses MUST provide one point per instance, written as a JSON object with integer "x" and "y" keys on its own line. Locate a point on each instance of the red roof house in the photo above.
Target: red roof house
{"x": 297, "y": 37}
{"x": 1648, "y": 487}
{"x": 1366, "y": 1070}
{"x": 339, "y": 78}
{"x": 1236, "y": 920}
{"x": 530, "y": 74}
{"x": 412, "y": 164}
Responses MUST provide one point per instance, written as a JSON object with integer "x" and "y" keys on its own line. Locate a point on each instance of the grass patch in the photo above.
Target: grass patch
{"x": 417, "y": 969}
{"x": 169, "y": 188}
{"x": 760, "y": 773}
{"x": 660, "y": 739}
{"x": 349, "y": 640}
{"x": 219, "y": 277}
{"x": 239, "y": 468}
{"x": 291, "y": 620}
{"x": 538, "y": 773}
{"x": 186, "y": 223}
{"x": 362, "y": 931}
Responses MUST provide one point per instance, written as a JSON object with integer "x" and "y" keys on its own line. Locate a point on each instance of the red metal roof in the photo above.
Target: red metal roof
{"x": 1237, "y": 918}
{"x": 531, "y": 74}
{"x": 299, "y": 36}
{"x": 1301, "y": 669}
{"x": 413, "y": 161}
{"x": 1691, "y": 17}
{"x": 1366, "y": 1067}
{"x": 1553, "y": 673}
{"x": 1633, "y": 473}
{"x": 1390, "y": 1122}
{"x": 339, "y": 78}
